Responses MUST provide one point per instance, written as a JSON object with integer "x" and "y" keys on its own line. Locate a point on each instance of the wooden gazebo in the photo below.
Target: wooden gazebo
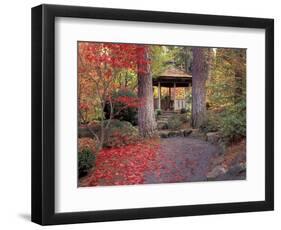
{"x": 172, "y": 77}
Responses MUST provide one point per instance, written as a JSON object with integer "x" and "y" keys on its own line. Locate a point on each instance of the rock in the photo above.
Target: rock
{"x": 237, "y": 169}
{"x": 186, "y": 132}
{"x": 173, "y": 134}
{"x": 162, "y": 125}
{"x": 197, "y": 134}
{"x": 213, "y": 137}
{"x": 169, "y": 133}
{"x": 216, "y": 171}
{"x": 163, "y": 134}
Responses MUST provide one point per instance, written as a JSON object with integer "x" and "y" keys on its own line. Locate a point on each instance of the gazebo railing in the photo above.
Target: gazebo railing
{"x": 178, "y": 104}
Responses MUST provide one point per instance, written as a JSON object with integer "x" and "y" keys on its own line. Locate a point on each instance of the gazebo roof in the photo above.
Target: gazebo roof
{"x": 175, "y": 72}
{"x": 173, "y": 75}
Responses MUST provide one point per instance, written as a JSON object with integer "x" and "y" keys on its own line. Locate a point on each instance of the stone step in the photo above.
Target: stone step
{"x": 160, "y": 117}
{"x": 166, "y": 115}
{"x": 169, "y": 113}
{"x": 161, "y": 125}
{"x": 163, "y": 119}
{"x": 170, "y": 133}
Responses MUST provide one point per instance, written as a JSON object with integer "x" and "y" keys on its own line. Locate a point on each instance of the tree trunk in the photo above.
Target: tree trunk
{"x": 146, "y": 118}
{"x": 199, "y": 77}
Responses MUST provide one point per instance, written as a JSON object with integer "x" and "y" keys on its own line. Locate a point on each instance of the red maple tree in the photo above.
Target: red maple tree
{"x": 99, "y": 65}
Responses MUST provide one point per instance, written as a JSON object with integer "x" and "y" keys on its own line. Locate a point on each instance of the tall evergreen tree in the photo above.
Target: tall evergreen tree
{"x": 146, "y": 118}
{"x": 200, "y": 70}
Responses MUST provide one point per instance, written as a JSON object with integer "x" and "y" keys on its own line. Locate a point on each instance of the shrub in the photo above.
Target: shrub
{"x": 124, "y": 113}
{"x": 86, "y": 160}
{"x": 183, "y": 118}
{"x": 233, "y": 123}
{"x": 230, "y": 122}
{"x": 183, "y": 110}
{"x": 158, "y": 112}
{"x": 121, "y": 133}
{"x": 87, "y": 143}
{"x": 212, "y": 124}
{"x": 174, "y": 122}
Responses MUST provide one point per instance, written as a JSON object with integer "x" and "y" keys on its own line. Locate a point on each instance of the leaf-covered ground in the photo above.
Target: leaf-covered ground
{"x": 178, "y": 159}
{"x": 124, "y": 165}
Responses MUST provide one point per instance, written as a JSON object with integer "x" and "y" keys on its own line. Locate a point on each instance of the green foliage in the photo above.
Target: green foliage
{"x": 230, "y": 123}
{"x": 96, "y": 113}
{"x": 233, "y": 122}
{"x": 174, "y": 122}
{"x": 226, "y": 95}
{"x": 223, "y": 83}
{"x": 121, "y": 133}
{"x": 159, "y": 57}
{"x": 86, "y": 160}
{"x": 126, "y": 79}
{"x": 183, "y": 110}
{"x": 188, "y": 100}
{"x": 184, "y": 118}
{"x": 213, "y": 122}
{"x": 158, "y": 112}
{"x": 181, "y": 56}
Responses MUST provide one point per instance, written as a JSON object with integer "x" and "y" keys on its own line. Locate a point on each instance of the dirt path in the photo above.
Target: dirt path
{"x": 181, "y": 159}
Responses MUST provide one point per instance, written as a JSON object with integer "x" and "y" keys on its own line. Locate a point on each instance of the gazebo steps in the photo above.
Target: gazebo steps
{"x": 169, "y": 112}
{"x": 162, "y": 120}
{"x": 161, "y": 125}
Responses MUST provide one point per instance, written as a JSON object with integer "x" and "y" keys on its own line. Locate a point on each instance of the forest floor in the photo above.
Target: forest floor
{"x": 182, "y": 159}
{"x": 164, "y": 160}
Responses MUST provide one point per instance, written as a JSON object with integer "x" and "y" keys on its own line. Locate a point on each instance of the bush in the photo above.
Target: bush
{"x": 121, "y": 133}
{"x": 233, "y": 123}
{"x": 127, "y": 114}
{"x": 230, "y": 122}
{"x": 158, "y": 112}
{"x": 184, "y": 118}
{"x": 174, "y": 122}
{"x": 212, "y": 124}
{"x": 183, "y": 110}
{"x": 86, "y": 160}
{"x": 87, "y": 143}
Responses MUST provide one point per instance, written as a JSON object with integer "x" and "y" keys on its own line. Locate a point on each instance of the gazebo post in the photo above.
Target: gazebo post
{"x": 159, "y": 95}
{"x": 174, "y": 96}
{"x": 170, "y": 93}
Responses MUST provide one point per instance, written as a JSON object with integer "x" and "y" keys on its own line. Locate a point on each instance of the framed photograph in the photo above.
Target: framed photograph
{"x": 142, "y": 114}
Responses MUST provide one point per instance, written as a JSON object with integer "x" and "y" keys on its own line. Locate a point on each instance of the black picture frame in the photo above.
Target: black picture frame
{"x": 43, "y": 114}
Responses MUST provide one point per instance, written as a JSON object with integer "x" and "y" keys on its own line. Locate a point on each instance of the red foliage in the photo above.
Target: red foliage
{"x": 112, "y": 55}
{"x": 130, "y": 102}
{"x": 84, "y": 107}
{"x": 99, "y": 65}
{"x": 123, "y": 166}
